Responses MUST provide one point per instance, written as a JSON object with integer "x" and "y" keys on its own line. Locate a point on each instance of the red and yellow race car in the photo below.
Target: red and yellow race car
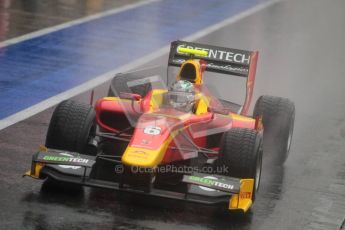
{"x": 167, "y": 135}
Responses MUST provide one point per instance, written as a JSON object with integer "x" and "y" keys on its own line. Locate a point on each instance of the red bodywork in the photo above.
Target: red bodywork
{"x": 115, "y": 114}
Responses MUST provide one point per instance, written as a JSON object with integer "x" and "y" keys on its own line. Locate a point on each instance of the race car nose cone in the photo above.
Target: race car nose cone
{"x": 142, "y": 157}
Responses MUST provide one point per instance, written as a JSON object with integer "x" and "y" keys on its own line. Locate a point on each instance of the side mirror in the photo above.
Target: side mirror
{"x": 130, "y": 96}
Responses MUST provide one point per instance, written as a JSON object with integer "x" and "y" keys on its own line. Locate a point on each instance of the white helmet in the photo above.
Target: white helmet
{"x": 182, "y": 95}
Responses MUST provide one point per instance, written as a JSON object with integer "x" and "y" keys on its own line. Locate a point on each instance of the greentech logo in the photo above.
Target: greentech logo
{"x": 65, "y": 159}
{"x": 210, "y": 182}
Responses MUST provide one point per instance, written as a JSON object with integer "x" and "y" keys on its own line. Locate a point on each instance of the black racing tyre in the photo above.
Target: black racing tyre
{"x": 119, "y": 85}
{"x": 71, "y": 126}
{"x": 278, "y": 116}
{"x": 241, "y": 154}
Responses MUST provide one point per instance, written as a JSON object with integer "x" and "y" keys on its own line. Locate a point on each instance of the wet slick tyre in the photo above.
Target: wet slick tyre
{"x": 278, "y": 116}
{"x": 241, "y": 155}
{"x": 71, "y": 126}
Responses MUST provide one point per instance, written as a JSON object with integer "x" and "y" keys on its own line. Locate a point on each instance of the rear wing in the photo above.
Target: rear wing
{"x": 229, "y": 61}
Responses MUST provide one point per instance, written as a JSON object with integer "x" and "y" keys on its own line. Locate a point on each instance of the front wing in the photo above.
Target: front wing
{"x": 70, "y": 167}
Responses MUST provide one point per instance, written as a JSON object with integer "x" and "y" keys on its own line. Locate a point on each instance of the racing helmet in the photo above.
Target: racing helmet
{"x": 182, "y": 95}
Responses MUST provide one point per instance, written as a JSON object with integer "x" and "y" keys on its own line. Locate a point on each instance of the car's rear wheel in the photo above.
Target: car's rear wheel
{"x": 278, "y": 116}
{"x": 240, "y": 155}
{"x": 71, "y": 127}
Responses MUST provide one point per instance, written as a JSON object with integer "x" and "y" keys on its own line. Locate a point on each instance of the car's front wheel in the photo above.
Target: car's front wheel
{"x": 71, "y": 126}
{"x": 240, "y": 155}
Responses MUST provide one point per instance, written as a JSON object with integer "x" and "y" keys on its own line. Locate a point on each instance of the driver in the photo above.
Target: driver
{"x": 182, "y": 95}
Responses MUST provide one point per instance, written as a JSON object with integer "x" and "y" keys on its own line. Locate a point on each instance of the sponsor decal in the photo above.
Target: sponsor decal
{"x": 152, "y": 130}
{"x": 210, "y": 181}
{"x": 69, "y": 167}
{"x": 206, "y": 188}
{"x": 145, "y": 142}
{"x": 138, "y": 154}
{"x": 221, "y": 55}
{"x": 245, "y": 195}
{"x": 225, "y": 67}
{"x": 65, "y": 159}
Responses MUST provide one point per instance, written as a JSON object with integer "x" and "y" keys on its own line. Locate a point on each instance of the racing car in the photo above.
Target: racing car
{"x": 167, "y": 135}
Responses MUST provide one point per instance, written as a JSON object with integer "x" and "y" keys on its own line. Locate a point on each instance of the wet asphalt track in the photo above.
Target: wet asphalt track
{"x": 302, "y": 56}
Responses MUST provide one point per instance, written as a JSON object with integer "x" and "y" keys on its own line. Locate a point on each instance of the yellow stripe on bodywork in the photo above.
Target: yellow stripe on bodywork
{"x": 157, "y": 98}
{"x": 240, "y": 117}
{"x": 203, "y": 103}
{"x": 116, "y": 99}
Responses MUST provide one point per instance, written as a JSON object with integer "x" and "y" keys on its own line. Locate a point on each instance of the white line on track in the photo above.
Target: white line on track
{"x": 73, "y": 23}
{"x": 26, "y": 113}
